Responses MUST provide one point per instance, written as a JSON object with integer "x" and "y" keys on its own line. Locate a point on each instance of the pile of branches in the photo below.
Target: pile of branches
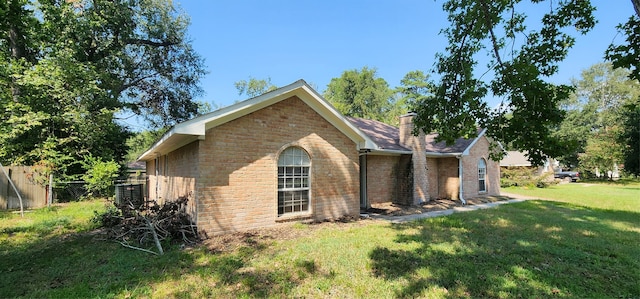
{"x": 149, "y": 224}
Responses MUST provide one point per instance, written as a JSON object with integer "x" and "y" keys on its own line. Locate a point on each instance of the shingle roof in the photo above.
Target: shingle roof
{"x": 387, "y": 137}
{"x": 459, "y": 146}
{"x": 515, "y": 158}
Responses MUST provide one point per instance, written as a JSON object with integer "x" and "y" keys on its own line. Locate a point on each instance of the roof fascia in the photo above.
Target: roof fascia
{"x": 199, "y": 125}
{"x": 468, "y": 149}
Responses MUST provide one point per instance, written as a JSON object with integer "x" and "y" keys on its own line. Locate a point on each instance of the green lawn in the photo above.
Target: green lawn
{"x": 587, "y": 246}
{"x": 620, "y": 197}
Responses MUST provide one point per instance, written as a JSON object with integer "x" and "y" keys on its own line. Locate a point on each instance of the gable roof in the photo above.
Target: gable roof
{"x": 515, "y": 158}
{"x": 186, "y": 132}
{"x": 387, "y": 138}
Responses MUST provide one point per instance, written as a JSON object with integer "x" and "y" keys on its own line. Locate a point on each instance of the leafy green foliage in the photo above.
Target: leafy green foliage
{"x": 100, "y": 175}
{"x": 595, "y": 116}
{"x": 361, "y": 93}
{"x": 630, "y": 139}
{"x": 521, "y": 62}
{"x": 524, "y": 177}
{"x": 254, "y": 87}
{"x": 626, "y": 55}
{"x": 140, "y": 142}
{"x": 67, "y": 68}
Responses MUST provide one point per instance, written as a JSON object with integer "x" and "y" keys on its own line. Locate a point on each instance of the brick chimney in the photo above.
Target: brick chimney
{"x": 417, "y": 144}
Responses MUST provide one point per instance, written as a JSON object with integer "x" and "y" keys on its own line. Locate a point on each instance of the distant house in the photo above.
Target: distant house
{"x": 288, "y": 155}
{"x": 519, "y": 159}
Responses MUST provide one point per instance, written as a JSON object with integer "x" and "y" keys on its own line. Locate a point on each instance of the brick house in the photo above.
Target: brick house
{"x": 288, "y": 155}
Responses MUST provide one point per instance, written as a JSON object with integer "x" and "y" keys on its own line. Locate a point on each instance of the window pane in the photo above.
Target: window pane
{"x": 293, "y": 181}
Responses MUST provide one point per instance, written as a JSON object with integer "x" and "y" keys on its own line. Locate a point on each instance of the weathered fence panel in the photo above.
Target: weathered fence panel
{"x": 33, "y": 194}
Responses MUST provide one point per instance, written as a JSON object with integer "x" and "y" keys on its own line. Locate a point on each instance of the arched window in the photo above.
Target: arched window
{"x": 482, "y": 172}
{"x": 293, "y": 181}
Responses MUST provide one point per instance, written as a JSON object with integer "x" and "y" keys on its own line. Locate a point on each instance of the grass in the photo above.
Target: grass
{"x": 577, "y": 247}
{"x": 610, "y": 196}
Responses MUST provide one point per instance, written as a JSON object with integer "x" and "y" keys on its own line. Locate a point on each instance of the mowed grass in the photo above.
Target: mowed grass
{"x": 623, "y": 196}
{"x": 572, "y": 248}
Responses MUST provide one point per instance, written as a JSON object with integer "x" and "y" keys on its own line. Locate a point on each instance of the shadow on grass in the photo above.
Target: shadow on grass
{"x": 81, "y": 266}
{"x": 530, "y": 249}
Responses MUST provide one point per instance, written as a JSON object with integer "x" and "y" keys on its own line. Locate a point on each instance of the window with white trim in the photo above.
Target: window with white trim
{"x": 293, "y": 181}
{"x": 482, "y": 172}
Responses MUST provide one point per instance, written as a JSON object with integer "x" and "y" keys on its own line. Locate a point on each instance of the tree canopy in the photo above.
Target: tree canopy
{"x": 361, "y": 93}
{"x": 68, "y": 67}
{"x": 521, "y": 60}
{"x": 596, "y": 113}
{"x": 254, "y": 87}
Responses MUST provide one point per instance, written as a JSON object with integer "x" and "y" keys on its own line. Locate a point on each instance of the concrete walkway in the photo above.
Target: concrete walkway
{"x": 405, "y": 218}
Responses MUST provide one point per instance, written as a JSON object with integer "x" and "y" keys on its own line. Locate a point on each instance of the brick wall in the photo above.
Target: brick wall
{"x": 470, "y": 167}
{"x": 448, "y": 181}
{"x": 237, "y": 188}
{"x": 382, "y": 178}
{"x": 417, "y": 144}
{"x": 177, "y": 173}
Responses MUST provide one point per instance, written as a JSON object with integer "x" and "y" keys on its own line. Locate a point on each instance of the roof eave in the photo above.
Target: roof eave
{"x": 196, "y": 128}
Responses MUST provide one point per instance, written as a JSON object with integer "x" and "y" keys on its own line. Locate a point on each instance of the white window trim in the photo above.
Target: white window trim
{"x": 297, "y": 214}
{"x": 484, "y": 176}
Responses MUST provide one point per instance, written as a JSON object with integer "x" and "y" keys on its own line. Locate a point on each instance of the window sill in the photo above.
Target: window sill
{"x": 295, "y": 217}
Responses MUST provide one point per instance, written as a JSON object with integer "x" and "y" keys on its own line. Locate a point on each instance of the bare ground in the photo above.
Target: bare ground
{"x": 261, "y": 238}
{"x": 392, "y": 209}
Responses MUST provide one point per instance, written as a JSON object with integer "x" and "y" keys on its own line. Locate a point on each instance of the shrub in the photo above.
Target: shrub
{"x": 100, "y": 175}
{"x": 525, "y": 177}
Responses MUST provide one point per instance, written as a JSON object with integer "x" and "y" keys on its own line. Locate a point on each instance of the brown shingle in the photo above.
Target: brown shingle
{"x": 388, "y": 137}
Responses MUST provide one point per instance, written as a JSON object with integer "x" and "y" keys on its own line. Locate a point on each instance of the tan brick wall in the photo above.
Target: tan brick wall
{"x": 177, "y": 173}
{"x": 237, "y": 189}
{"x": 382, "y": 172}
{"x": 448, "y": 178}
{"x": 421, "y": 178}
{"x": 470, "y": 167}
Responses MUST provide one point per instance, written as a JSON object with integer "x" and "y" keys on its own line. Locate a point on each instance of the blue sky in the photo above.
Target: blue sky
{"x": 288, "y": 40}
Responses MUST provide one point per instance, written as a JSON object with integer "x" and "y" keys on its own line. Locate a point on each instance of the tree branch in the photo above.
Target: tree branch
{"x": 138, "y": 41}
{"x": 494, "y": 41}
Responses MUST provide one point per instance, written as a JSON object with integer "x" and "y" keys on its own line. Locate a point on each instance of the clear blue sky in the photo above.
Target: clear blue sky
{"x": 316, "y": 41}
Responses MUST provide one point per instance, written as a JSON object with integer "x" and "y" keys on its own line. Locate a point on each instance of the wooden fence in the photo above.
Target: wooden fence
{"x": 33, "y": 195}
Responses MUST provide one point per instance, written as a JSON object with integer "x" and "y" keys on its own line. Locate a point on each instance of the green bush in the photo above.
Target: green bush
{"x": 100, "y": 175}
{"x": 524, "y": 177}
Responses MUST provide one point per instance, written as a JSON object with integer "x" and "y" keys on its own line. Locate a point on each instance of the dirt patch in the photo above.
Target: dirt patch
{"x": 392, "y": 209}
{"x": 262, "y": 238}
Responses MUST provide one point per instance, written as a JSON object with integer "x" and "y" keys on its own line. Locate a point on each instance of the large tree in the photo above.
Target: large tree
{"x": 626, "y": 55}
{"x": 361, "y": 93}
{"x": 67, "y": 68}
{"x": 521, "y": 61}
{"x": 596, "y": 113}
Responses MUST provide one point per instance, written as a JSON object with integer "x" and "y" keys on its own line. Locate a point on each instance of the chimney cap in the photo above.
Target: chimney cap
{"x": 410, "y": 113}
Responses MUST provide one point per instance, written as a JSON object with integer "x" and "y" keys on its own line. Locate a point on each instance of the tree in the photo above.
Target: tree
{"x": 140, "y": 142}
{"x": 67, "y": 67}
{"x": 363, "y": 94}
{"x": 595, "y": 115}
{"x": 521, "y": 62}
{"x": 626, "y": 56}
{"x": 630, "y": 137}
{"x": 254, "y": 87}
